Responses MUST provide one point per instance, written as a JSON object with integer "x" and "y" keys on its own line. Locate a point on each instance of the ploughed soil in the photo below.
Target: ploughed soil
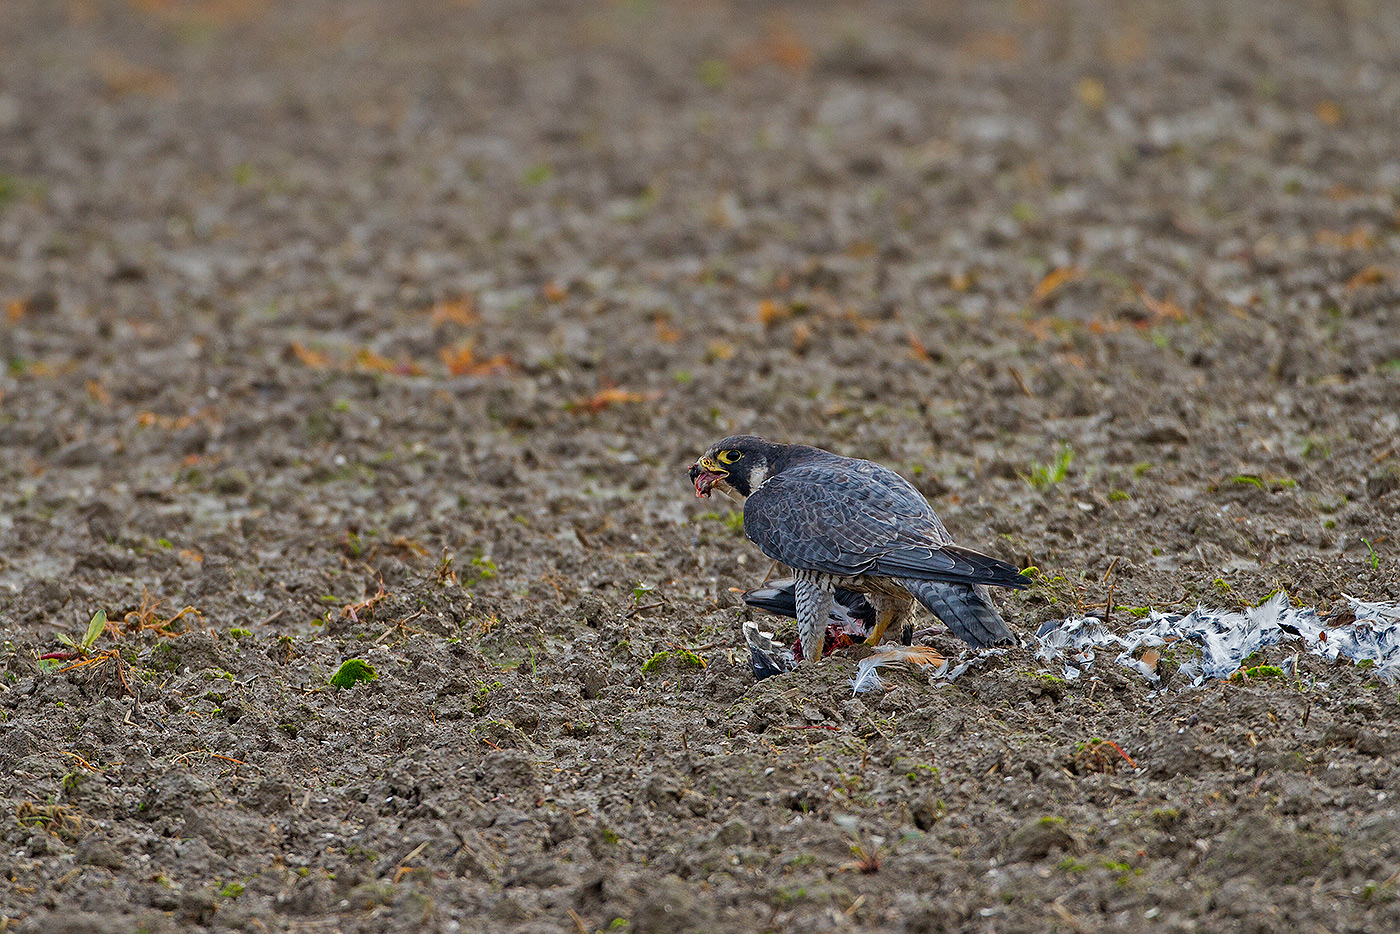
{"x": 387, "y": 330}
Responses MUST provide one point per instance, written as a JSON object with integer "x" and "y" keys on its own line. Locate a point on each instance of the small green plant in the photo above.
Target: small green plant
{"x": 1264, "y": 482}
{"x": 94, "y": 629}
{"x": 1375, "y": 558}
{"x": 684, "y": 658}
{"x": 733, "y": 520}
{"x": 1257, "y": 671}
{"x": 238, "y": 633}
{"x": 714, "y": 73}
{"x": 231, "y": 890}
{"x": 1314, "y": 447}
{"x": 1043, "y": 476}
{"x": 537, "y": 174}
{"x": 352, "y": 672}
{"x": 485, "y": 568}
{"x": 640, "y": 591}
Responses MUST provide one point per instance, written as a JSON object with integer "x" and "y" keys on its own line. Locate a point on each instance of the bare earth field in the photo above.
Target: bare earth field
{"x": 387, "y": 330}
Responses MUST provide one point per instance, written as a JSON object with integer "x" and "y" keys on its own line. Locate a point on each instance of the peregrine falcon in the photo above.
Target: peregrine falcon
{"x": 839, "y": 522}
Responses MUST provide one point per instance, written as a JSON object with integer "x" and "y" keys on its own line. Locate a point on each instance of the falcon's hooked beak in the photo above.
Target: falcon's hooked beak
{"x": 704, "y": 473}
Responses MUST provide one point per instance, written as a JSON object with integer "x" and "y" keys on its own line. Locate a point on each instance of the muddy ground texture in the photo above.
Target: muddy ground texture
{"x": 300, "y": 298}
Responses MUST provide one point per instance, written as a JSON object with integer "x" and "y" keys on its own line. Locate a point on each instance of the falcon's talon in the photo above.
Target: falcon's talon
{"x": 848, "y": 526}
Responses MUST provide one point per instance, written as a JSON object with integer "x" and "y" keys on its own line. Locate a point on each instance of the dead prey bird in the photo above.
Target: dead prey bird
{"x": 842, "y": 522}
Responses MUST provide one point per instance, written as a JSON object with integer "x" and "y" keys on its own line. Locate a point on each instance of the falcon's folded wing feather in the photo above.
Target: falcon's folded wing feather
{"x": 862, "y": 519}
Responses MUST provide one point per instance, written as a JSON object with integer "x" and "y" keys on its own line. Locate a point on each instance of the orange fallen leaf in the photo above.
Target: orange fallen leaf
{"x": 1159, "y": 309}
{"x": 315, "y": 359}
{"x": 1055, "y": 280}
{"x": 719, "y": 350}
{"x": 15, "y": 310}
{"x": 666, "y": 332}
{"x": 98, "y": 392}
{"x": 917, "y": 350}
{"x": 1329, "y": 113}
{"x": 369, "y": 360}
{"x": 611, "y": 395}
{"x": 1359, "y": 238}
{"x": 960, "y": 281}
{"x": 781, "y": 46}
{"x": 1370, "y": 275}
{"x": 459, "y": 311}
{"x": 553, "y": 292}
{"x": 1091, "y": 92}
{"x": 460, "y": 360}
{"x": 771, "y": 312}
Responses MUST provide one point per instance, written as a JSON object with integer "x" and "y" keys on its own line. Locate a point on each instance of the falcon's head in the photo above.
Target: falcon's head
{"x": 738, "y": 464}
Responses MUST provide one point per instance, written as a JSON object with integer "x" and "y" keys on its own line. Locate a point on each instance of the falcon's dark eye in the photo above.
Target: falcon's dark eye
{"x": 729, "y": 457}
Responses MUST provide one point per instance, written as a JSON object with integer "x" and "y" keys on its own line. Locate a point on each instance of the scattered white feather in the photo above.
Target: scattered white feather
{"x": 1225, "y": 639}
{"x": 920, "y": 656}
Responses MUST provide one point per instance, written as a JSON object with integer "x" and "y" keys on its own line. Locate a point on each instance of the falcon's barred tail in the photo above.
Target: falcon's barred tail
{"x": 965, "y": 609}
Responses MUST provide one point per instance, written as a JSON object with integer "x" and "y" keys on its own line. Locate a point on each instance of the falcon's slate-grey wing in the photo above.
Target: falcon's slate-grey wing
{"x": 844, "y": 523}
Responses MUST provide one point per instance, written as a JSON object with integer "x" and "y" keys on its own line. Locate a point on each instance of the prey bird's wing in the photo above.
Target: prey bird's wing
{"x": 850, "y": 517}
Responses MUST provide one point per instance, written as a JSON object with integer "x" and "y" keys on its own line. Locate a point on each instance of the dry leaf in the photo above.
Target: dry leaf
{"x": 917, "y": 350}
{"x": 1329, "y": 113}
{"x": 771, "y": 312}
{"x": 719, "y": 350}
{"x": 1054, "y": 281}
{"x": 1091, "y": 92}
{"x": 801, "y": 337}
{"x": 460, "y": 360}
{"x": 781, "y": 47}
{"x": 611, "y": 395}
{"x": 315, "y": 359}
{"x": 459, "y": 311}
{"x": 1358, "y": 238}
{"x": 1165, "y": 308}
{"x": 1370, "y": 275}
{"x": 666, "y": 332}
